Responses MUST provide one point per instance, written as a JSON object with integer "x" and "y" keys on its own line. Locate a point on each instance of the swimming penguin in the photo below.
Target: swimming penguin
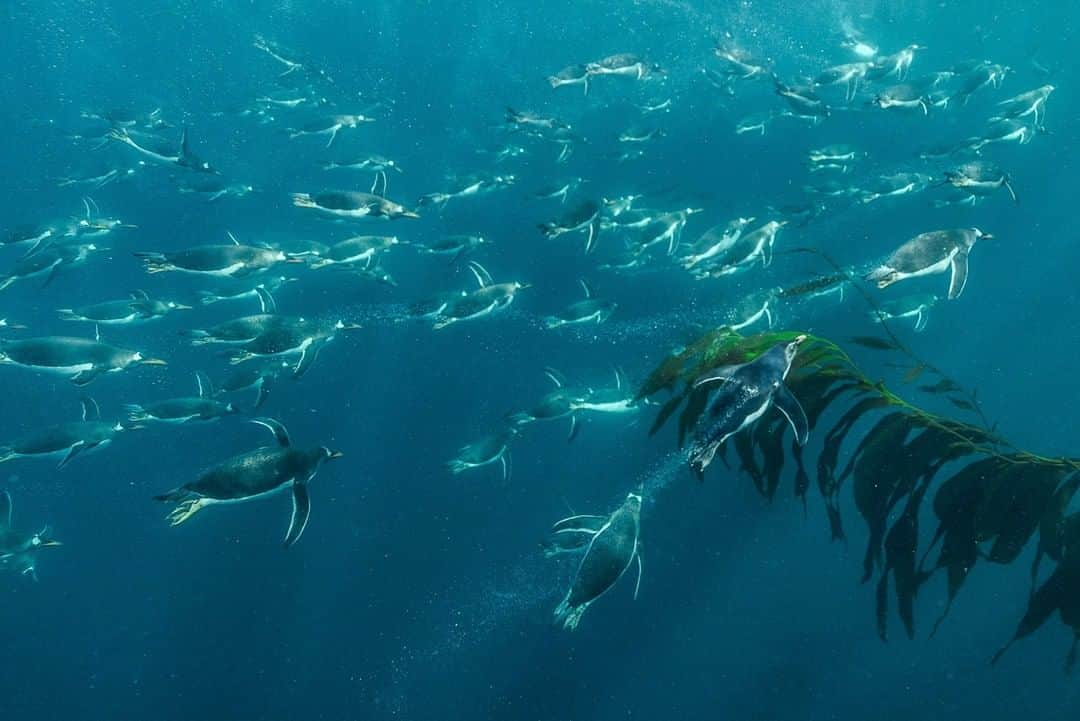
{"x": 848, "y": 75}
{"x": 839, "y": 153}
{"x": 558, "y": 403}
{"x": 263, "y": 291}
{"x": 750, "y": 310}
{"x": 48, "y": 261}
{"x": 980, "y": 178}
{"x": 641, "y": 135}
{"x": 1033, "y": 103}
{"x": 896, "y": 64}
{"x": 665, "y": 229}
{"x": 1005, "y": 131}
{"x": 624, "y": 64}
{"x": 66, "y": 440}
{"x": 895, "y": 185}
{"x": 239, "y": 330}
{"x": 745, "y": 393}
{"x": 559, "y": 191}
{"x": 137, "y": 308}
{"x": 619, "y": 399}
{"x": 755, "y": 123}
{"x": 457, "y": 246}
{"x": 352, "y": 205}
{"x": 802, "y": 101}
{"x": 571, "y": 75}
{"x": 529, "y": 120}
{"x": 257, "y": 376}
{"x": 18, "y": 550}
{"x": 913, "y": 307}
{"x": 291, "y": 337}
{"x": 330, "y": 126}
{"x": 248, "y": 476}
{"x": 485, "y": 300}
{"x": 589, "y": 310}
{"x": 183, "y": 158}
{"x": 81, "y": 359}
{"x": 373, "y": 163}
{"x": 744, "y": 251}
{"x": 32, "y": 235}
{"x": 490, "y": 449}
{"x": 935, "y": 252}
{"x": 717, "y": 239}
{"x": 221, "y": 261}
{"x": 585, "y": 216}
{"x": 213, "y": 189}
{"x": 358, "y": 249}
{"x": 904, "y": 97}
{"x": 982, "y": 75}
{"x": 204, "y": 407}
{"x": 472, "y": 185}
{"x": 611, "y": 549}
{"x": 738, "y": 65}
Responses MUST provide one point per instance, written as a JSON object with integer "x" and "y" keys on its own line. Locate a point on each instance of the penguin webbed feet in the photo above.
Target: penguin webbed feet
{"x": 183, "y": 510}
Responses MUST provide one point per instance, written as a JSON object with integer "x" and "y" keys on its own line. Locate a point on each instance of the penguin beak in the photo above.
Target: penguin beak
{"x": 410, "y": 214}
{"x": 335, "y": 454}
{"x": 181, "y": 306}
{"x": 799, "y": 339}
{"x": 153, "y": 362}
{"x": 50, "y": 544}
{"x": 986, "y": 236}
{"x": 295, "y": 260}
{"x": 352, "y": 326}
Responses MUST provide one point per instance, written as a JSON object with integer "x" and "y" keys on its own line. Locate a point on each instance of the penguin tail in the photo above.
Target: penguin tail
{"x": 569, "y": 616}
{"x": 136, "y": 413}
{"x": 206, "y": 297}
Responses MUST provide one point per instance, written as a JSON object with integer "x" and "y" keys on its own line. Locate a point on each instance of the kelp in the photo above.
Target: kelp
{"x": 995, "y": 499}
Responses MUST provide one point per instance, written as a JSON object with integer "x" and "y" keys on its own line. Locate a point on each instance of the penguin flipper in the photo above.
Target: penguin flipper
{"x": 281, "y": 434}
{"x": 90, "y": 410}
{"x": 581, "y": 524}
{"x": 72, "y": 452}
{"x": 307, "y": 357}
{"x": 717, "y": 375}
{"x": 574, "y": 428}
{"x": 264, "y": 391}
{"x": 5, "y": 509}
{"x": 640, "y": 570}
{"x": 82, "y": 378}
{"x": 789, "y": 405}
{"x": 266, "y": 299}
{"x": 300, "y": 513}
{"x": 959, "y": 275}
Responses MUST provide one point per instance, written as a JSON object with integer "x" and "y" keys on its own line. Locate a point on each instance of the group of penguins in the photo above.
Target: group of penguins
{"x": 269, "y": 345}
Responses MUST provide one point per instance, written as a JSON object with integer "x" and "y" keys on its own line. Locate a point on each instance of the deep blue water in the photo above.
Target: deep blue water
{"x": 418, "y": 594}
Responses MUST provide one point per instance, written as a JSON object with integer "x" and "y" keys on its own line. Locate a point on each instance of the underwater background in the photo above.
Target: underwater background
{"x": 418, "y": 594}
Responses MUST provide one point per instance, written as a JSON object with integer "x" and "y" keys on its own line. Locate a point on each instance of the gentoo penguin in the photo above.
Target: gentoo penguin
{"x": 182, "y": 158}
{"x": 330, "y": 126}
{"x": 583, "y": 217}
{"x": 189, "y": 409}
{"x": 896, "y": 64}
{"x": 618, "y": 399}
{"x": 81, "y": 359}
{"x": 848, "y": 75}
{"x": 571, "y": 75}
{"x": 259, "y": 377}
{"x": 1033, "y": 102}
{"x": 744, "y": 251}
{"x": 221, "y": 261}
{"x": 457, "y": 246}
{"x": 66, "y": 440}
{"x": 358, "y": 249}
{"x": 744, "y": 394}
{"x": 293, "y": 337}
{"x": 903, "y": 97}
{"x": 528, "y": 120}
{"x": 261, "y": 472}
{"x": 559, "y": 403}
{"x": 913, "y": 307}
{"x": 980, "y": 178}
{"x": 238, "y": 330}
{"x": 374, "y": 163}
{"x": 895, "y": 185}
{"x": 717, "y": 239}
{"x": 490, "y": 449}
{"x": 263, "y": 291}
{"x": 137, "y": 308}
{"x": 589, "y": 310}
{"x": 48, "y": 261}
{"x": 935, "y": 252}
{"x": 352, "y": 205}
{"x": 485, "y": 300}
{"x": 18, "y": 550}
{"x": 624, "y": 64}
{"x": 612, "y": 548}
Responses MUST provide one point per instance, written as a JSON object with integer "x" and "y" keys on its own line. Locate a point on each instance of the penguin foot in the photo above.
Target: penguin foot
{"x": 185, "y": 510}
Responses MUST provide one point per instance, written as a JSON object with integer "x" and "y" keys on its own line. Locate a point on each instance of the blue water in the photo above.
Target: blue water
{"x": 417, "y": 594}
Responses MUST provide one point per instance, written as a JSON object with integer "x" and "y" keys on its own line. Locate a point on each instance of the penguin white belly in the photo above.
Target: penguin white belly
{"x": 62, "y": 370}
{"x": 939, "y": 267}
{"x": 749, "y": 420}
{"x": 208, "y": 501}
